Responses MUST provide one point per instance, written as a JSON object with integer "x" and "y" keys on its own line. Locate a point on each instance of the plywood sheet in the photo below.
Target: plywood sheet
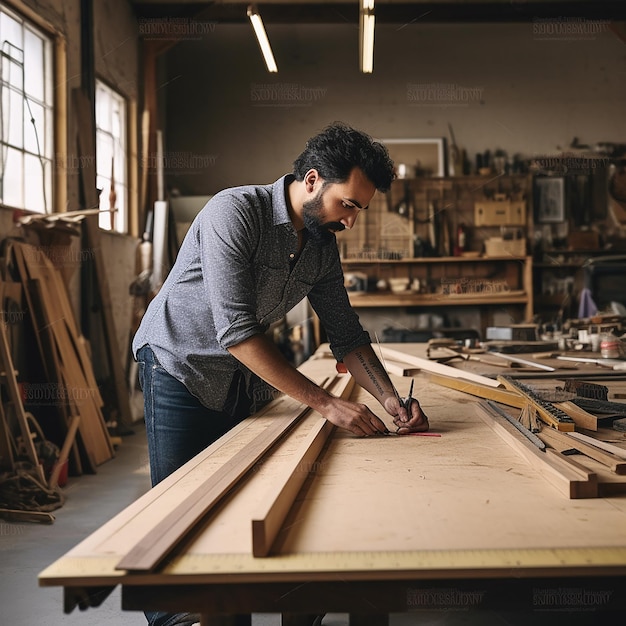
{"x": 377, "y": 506}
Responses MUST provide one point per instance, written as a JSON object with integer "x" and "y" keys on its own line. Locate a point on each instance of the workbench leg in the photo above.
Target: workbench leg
{"x": 369, "y": 619}
{"x": 226, "y": 620}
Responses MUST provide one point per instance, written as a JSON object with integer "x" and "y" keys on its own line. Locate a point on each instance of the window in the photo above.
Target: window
{"x": 111, "y": 163}
{"x": 26, "y": 120}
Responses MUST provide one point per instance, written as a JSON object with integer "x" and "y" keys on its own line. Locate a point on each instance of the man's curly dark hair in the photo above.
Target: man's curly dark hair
{"x": 338, "y": 149}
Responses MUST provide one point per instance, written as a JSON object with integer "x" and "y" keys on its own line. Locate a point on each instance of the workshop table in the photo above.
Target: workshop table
{"x": 381, "y": 525}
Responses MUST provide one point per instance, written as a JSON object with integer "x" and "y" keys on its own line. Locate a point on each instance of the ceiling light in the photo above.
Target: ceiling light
{"x": 264, "y": 43}
{"x": 366, "y": 36}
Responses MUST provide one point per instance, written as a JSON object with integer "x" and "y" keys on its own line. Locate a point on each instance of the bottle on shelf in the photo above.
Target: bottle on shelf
{"x": 461, "y": 241}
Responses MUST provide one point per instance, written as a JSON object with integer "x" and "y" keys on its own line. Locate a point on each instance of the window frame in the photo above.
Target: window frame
{"x": 46, "y": 154}
{"x": 111, "y": 221}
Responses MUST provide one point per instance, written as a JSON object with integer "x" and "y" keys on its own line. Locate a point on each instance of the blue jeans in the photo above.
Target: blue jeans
{"x": 179, "y": 427}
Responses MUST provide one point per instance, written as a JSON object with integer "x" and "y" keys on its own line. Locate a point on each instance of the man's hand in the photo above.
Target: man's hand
{"x": 413, "y": 421}
{"x": 353, "y": 416}
{"x": 261, "y": 356}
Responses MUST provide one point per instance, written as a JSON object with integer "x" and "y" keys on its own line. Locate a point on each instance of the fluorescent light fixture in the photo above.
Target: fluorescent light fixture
{"x": 264, "y": 43}
{"x": 366, "y": 36}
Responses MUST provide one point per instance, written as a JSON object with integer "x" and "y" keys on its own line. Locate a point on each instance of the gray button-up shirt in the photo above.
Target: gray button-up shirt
{"x": 232, "y": 278}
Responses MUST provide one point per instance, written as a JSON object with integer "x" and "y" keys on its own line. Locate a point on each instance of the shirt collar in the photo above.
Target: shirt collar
{"x": 279, "y": 199}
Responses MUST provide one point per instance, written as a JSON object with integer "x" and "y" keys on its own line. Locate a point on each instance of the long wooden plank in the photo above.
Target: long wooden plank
{"x": 570, "y": 478}
{"x": 562, "y": 441}
{"x": 64, "y": 453}
{"x": 581, "y": 418}
{"x": 510, "y": 398}
{"x": 433, "y": 366}
{"x": 151, "y": 549}
{"x": 6, "y": 363}
{"x": 609, "y": 447}
{"x": 73, "y": 369}
{"x": 266, "y": 523}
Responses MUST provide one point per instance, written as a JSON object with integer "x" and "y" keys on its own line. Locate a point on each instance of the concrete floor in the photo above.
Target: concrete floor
{"x": 91, "y": 500}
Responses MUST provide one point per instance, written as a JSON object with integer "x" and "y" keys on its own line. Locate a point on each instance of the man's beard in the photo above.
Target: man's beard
{"x": 311, "y": 215}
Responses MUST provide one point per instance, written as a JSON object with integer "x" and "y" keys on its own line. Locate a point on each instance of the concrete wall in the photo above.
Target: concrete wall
{"x": 230, "y": 122}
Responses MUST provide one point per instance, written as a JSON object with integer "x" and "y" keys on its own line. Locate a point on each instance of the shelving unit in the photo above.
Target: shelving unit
{"x": 488, "y": 283}
{"x": 410, "y": 232}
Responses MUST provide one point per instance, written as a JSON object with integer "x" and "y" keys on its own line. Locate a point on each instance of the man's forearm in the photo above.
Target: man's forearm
{"x": 369, "y": 372}
{"x": 261, "y": 356}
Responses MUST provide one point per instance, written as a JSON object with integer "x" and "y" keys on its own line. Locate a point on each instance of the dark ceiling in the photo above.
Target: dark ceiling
{"x": 389, "y": 11}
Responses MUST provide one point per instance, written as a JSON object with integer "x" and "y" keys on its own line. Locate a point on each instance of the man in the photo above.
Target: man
{"x": 250, "y": 256}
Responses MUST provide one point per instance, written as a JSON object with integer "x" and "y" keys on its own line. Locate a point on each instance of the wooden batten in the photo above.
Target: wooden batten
{"x": 570, "y": 478}
{"x": 432, "y": 366}
{"x": 150, "y": 551}
{"x": 266, "y": 523}
{"x": 65, "y": 361}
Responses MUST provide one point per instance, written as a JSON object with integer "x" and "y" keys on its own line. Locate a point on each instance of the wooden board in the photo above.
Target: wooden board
{"x": 267, "y": 521}
{"x": 150, "y": 551}
{"x": 562, "y": 441}
{"x": 571, "y": 479}
{"x": 67, "y": 368}
{"x": 463, "y": 505}
{"x": 10, "y": 380}
{"x": 510, "y": 398}
{"x": 433, "y": 366}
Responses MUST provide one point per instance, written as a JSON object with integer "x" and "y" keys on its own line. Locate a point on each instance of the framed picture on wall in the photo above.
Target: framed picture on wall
{"x": 549, "y": 199}
{"x": 427, "y": 157}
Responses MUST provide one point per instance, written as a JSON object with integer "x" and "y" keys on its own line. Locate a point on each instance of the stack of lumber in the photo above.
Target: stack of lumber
{"x": 578, "y": 457}
{"x": 71, "y": 384}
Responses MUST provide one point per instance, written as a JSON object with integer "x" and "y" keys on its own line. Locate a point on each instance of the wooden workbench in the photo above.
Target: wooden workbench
{"x": 381, "y": 525}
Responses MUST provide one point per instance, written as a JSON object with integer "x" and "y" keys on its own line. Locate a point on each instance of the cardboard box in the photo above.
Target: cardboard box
{"x": 500, "y": 212}
{"x": 496, "y": 246}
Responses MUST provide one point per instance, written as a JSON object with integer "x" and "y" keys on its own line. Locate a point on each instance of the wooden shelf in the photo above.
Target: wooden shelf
{"x": 432, "y": 260}
{"x": 390, "y": 299}
{"x": 511, "y": 287}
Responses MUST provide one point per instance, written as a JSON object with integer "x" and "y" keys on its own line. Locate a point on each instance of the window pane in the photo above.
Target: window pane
{"x": 11, "y": 31}
{"x": 104, "y": 152}
{"x": 33, "y": 65}
{"x": 103, "y": 109}
{"x": 26, "y": 95}
{"x": 14, "y": 120}
{"x": 34, "y": 185}
{"x": 104, "y": 184}
{"x": 12, "y": 72}
{"x": 13, "y": 178}
{"x": 111, "y": 151}
{"x": 35, "y": 129}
